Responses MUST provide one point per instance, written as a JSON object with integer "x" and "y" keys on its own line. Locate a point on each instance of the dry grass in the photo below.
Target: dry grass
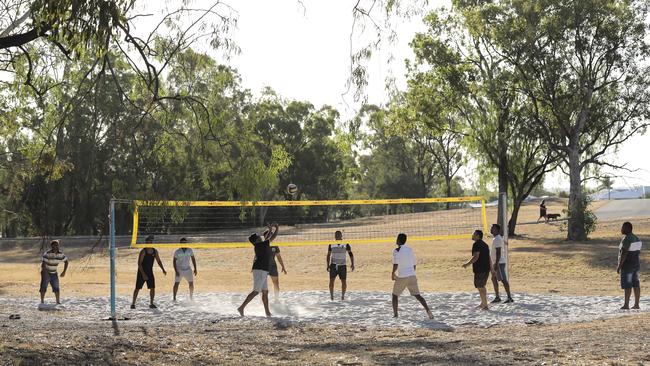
{"x": 541, "y": 261}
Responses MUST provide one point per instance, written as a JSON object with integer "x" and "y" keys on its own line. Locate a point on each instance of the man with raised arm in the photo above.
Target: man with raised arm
{"x": 499, "y": 263}
{"x": 480, "y": 262}
{"x": 336, "y": 263}
{"x": 49, "y": 263}
{"x": 404, "y": 274}
{"x": 182, "y": 268}
{"x": 629, "y": 265}
{"x": 261, "y": 265}
{"x": 145, "y": 272}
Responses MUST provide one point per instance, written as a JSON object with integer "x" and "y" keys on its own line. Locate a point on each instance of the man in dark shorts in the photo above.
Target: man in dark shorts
{"x": 481, "y": 267}
{"x": 336, "y": 263}
{"x": 261, "y": 268}
{"x": 629, "y": 265}
{"x": 498, "y": 255}
{"x": 145, "y": 272}
{"x": 273, "y": 270}
{"x": 49, "y": 263}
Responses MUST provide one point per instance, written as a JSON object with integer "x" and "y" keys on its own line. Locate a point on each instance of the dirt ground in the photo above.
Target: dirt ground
{"x": 541, "y": 262}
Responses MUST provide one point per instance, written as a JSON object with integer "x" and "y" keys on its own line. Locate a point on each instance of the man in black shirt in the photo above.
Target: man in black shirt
{"x": 480, "y": 262}
{"x": 261, "y": 267}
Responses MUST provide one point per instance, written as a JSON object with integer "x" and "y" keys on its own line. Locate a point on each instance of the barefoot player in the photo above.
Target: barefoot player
{"x": 261, "y": 268}
{"x": 499, "y": 264}
{"x": 629, "y": 265}
{"x": 49, "y": 262}
{"x": 336, "y": 263}
{"x": 182, "y": 257}
{"x": 145, "y": 272}
{"x": 404, "y": 265}
{"x": 480, "y": 262}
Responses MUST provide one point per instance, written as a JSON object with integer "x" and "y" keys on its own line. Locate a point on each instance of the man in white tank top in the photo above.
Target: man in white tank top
{"x": 336, "y": 263}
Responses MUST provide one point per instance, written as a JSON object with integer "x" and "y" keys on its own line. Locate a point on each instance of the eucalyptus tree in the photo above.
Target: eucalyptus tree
{"x": 584, "y": 70}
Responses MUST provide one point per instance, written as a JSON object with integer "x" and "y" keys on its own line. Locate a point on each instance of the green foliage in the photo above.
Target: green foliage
{"x": 590, "y": 219}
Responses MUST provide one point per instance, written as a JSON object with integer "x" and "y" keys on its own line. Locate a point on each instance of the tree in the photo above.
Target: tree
{"x": 457, "y": 64}
{"x": 607, "y": 183}
{"x": 396, "y": 166}
{"x": 584, "y": 72}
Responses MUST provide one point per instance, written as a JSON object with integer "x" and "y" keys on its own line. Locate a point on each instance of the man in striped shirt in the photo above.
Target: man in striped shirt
{"x": 49, "y": 264}
{"x": 629, "y": 265}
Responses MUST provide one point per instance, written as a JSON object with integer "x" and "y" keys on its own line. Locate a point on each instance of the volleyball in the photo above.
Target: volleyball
{"x": 292, "y": 189}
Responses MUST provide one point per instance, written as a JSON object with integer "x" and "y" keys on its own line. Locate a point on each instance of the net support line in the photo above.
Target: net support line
{"x": 113, "y": 256}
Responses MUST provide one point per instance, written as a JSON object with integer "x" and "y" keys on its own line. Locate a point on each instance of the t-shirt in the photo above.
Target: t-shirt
{"x": 405, "y": 259}
{"x": 338, "y": 254}
{"x": 183, "y": 259}
{"x": 497, "y": 242}
{"x": 52, "y": 260}
{"x": 482, "y": 265}
{"x": 633, "y": 245}
{"x": 262, "y": 255}
{"x": 274, "y": 251}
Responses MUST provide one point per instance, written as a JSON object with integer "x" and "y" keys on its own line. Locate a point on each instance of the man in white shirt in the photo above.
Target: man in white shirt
{"x": 182, "y": 268}
{"x": 499, "y": 263}
{"x": 404, "y": 265}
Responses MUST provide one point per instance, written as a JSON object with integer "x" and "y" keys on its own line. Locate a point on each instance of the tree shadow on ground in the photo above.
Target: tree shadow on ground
{"x": 600, "y": 253}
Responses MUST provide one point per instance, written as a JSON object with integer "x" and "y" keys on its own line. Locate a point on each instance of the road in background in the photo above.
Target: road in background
{"x": 621, "y": 209}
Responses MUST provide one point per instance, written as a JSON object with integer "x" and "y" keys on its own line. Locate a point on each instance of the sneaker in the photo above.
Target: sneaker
{"x": 132, "y": 306}
{"x": 496, "y": 300}
{"x": 510, "y": 300}
{"x": 153, "y": 306}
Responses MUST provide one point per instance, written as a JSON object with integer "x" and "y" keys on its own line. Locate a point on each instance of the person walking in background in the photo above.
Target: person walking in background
{"x": 182, "y": 257}
{"x": 49, "y": 263}
{"x": 542, "y": 211}
{"x": 629, "y": 265}
{"x": 480, "y": 262}
{"x": 145, "y": 272}
{"x": 404, "y": 275}
{"x": 499, "y": 264}
{"x": 336, "y": 263}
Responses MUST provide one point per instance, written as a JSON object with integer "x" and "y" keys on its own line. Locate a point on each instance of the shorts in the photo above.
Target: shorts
{"x": 629, "y": 279}
{"x": 260, "y": 280}
{"x": 501, "y": 274}
{"x": 52, "y": 279}
{"x": 340, "y": 270}
{"x": 151, "y": 281}
{"x": 410, "y": 282}
{"x": 480, "y": 279}
{"x": 273, "y": 270}
{"x": 186, "y": 274}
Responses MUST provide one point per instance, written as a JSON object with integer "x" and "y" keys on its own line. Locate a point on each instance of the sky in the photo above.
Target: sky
{"x": 301, "y": 49}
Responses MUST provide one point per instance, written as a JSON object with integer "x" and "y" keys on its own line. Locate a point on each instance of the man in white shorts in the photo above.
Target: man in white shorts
{"x": 261, "y": 266}
{"x": 404, "y": 265}
{"x": 182, "y": 268}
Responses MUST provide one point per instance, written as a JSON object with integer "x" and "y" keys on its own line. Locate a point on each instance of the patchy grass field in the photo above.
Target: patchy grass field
{"x": 541, "y": 260}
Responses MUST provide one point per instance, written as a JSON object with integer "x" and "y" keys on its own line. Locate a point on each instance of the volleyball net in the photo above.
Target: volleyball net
{"x": 227, "y": 224}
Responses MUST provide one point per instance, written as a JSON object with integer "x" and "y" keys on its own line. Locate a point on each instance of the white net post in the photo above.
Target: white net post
{"x": 503, "y": 217}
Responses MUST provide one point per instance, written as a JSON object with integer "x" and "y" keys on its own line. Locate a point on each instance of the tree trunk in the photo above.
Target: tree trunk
{"x": 512, "y": 223}
{"x": 576, "y": 228}
{"x": 448, "y": 183}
